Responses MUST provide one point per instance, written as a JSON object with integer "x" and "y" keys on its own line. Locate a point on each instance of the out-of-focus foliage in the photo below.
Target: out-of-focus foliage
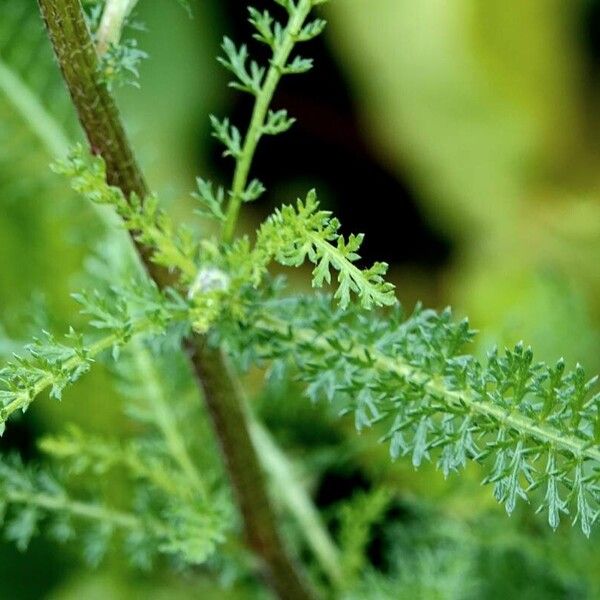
{"x": 486, "y": 108}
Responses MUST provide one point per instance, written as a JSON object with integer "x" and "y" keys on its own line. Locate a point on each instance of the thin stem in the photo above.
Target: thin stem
{"x": 296, "y": 500}
{"x": 112, "y": 22}
{"x": 93, "y": 512}
{"x": 154, "y": 394}
{"x": 259, "y": 115}
{"x": 31, "y": 110}
{"x": 99, "y": 117}
{"x": 85, "y": 510}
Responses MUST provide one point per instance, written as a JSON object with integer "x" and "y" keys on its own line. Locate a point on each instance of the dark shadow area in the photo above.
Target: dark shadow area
{"x": 589, "y": 30}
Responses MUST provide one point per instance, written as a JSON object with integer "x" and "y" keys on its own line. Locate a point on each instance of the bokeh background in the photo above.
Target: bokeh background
{"x": 463, "y": 138}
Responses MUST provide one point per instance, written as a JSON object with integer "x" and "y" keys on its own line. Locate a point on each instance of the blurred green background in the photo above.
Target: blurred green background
{"x": 463, "y": 138}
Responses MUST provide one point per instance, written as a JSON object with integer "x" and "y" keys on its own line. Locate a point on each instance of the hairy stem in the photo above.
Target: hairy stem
{"x": 259, "y": 114}
{"x": 95, "y": 106}
{"x": 226, "y": 406}
{"x": 99, "y": 117}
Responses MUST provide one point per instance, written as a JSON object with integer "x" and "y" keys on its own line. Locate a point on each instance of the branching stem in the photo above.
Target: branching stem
{"x": 99, "y": 117}
{"x": 279, "y": 469}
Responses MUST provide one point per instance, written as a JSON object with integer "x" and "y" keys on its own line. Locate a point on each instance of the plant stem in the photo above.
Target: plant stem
{"x": 259, "y": 114}
{"x": 95, "y": 106}
{"x": 295, "y": 498}
{"x": 32, "y": 112}
{"x": 94, "y": 512}
{"x": 60, "y": 503}
{"x": 111, "y": 24}
{"x": 100, "y": 120}
{"x": 225, "y": 404}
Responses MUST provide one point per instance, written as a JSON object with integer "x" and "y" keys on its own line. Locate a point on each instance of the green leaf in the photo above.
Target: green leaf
{"x": 531, "y": 426}
{"x": 293, "y": 235}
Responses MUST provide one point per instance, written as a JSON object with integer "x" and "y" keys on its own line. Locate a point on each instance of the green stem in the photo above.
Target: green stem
{"x": 226, "y": 406}
{"x": 93, "y": 512}
{"x": 33, "y": 112}
{"x": 294, "y": 497}
{"x": 96, "y": 109}
{"x": 84, "y": 510}
{"x": 112, "y": 22}
{"x": 259, "y": 114}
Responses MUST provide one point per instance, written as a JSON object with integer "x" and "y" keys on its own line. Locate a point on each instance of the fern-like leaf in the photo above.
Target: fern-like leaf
{"x": 530, "y": 424}
{"x": 294, "y": 234}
